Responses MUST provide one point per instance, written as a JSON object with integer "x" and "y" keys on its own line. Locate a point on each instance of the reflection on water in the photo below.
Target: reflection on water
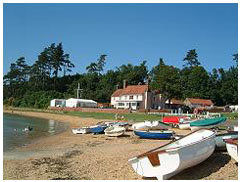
{"x": 16, "y": 133}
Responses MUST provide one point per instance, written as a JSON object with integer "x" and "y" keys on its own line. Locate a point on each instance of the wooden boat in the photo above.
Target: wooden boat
{"x": 114, "y": 131}
{"x": 220, "y": 143}
{"x": 150, "y": 125}
{"x": 83, "y": 130}
{"x": 98, "y": 129}
{"x": 232, "y": 148}
{"x": 154, "y": 134}
{"x": 207, "y": 123}
{"x": 168, "y": 160}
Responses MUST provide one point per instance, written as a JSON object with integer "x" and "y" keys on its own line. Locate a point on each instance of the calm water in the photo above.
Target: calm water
{"x": 14, "y": 136}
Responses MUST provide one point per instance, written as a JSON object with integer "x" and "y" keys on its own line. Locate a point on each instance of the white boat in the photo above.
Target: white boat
{"x": 235, "y": 128}
{"x": 232, "y": 148}
{"x": 83, "y": 130}
{"x": 220, "y": 143}
{"x": 114, "y": 131}
{"x": 151, "y": 125}
{"x": 184, "y": 123}
{"x": 166, "y": 161}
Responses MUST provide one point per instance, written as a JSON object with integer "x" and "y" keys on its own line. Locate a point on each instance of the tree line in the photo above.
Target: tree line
{"x": 49, "y": 77}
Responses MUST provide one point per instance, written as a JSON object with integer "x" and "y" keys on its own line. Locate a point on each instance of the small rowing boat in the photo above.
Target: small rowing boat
{"x": 83, "y": 130}
{"x": 220, "y": 143}
{"x": 98, "y": 129}
{"x": 207, "y": 123}
{"x": 114, "y": 131}
{"x": 167, "y": 160}
{"x": 232, "y": 148}
{"x": 150, "y": 125}
{"x": 154, "y": 134}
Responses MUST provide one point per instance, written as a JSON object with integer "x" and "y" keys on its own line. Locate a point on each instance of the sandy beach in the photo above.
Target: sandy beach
{"x": 97, "y": 157}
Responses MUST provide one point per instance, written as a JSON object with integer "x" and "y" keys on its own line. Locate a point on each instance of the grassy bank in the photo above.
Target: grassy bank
{"x": 128, "y": 116}
{"x": 111, "y": 116}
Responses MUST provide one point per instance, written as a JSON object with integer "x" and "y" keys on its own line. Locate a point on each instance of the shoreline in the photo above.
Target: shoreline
{"x": 97, "y": 157}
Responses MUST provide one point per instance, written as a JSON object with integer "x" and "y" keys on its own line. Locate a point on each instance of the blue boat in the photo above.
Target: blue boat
{"x": 98, "y": 129}
{"x": 154, "y": 134}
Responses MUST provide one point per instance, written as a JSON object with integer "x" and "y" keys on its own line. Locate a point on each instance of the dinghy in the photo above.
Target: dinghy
{"x": 232, "y": 148}
{"x": 220, "y": 143}
{"x": 98, "y": 129}
{"x": 83, "y": 130}
{"x": 167, "y": 160}
{"x": 150, "y": 125}
{"x": 184, "y": 123}
{"x": 154, "y": 134}
{"x": 114, "y": 131}
{"x": 207, "y": 123}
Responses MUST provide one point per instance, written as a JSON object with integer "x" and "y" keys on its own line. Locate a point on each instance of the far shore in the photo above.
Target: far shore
{"x": 97, "y": 157}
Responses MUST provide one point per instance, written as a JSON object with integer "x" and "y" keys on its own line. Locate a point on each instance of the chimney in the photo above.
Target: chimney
{"x": 139, "y": 83}
{"x": 125, "y": 83}
{"x": 117, "y": 87}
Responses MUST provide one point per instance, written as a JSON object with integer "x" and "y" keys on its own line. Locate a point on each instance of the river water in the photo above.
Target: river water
{"x": 14, "y": 135}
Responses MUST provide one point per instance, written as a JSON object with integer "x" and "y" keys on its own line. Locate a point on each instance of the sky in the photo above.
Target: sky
{"x": 127, "y": 33}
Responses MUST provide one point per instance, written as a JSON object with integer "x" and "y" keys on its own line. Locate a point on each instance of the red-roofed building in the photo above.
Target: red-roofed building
{"x": 135, "y": 97}
{"x": 196, "y": 102}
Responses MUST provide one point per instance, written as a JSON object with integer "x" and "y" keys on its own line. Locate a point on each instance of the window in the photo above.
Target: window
{"x": 133, "y": 104}
{"x": 137, "y": 97}
{"x": 131, "y": 97}
{"x": 125, "y": 97}
{"x": 120, "y": 104}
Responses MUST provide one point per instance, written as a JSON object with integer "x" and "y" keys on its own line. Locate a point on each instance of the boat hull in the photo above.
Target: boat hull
{"x": 195, "y": 128}
{"x": 184, "y": 126}
{"x": 151, "y": 125}
{"x": 97, "y": 129}
{"x": 166, "y": 164}
{"x": 220, "y": 143}
{"x": 153, "y": 134}
{"x": 232, "y": 150}
{"x": 81, "y": 130}
{"x": 115, "y": 131}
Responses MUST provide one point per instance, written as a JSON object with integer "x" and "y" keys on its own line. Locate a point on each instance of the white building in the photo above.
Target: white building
{"x": 136, "y": 97}
{"x": 72, "y": 102}
{"x": 58, "y": 103}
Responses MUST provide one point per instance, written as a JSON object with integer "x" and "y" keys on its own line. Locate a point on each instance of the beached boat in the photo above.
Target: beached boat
{"x": 114, "y": 123}
{"x": 168, "y": 160}
{"x": 83, "y": 130}
{"x": 235, "y": 128}
{"x": 207, "y": 123}
{"x": 220, "y": 143}
{"x": 150, "y": 125}
{"x": 154, "y": 134}
{"x": 122, "y": 124}
{"x": 232, "y": 148}
{"x": 184, "y": 123}
{"x": 173, "y": 119}
{"x": 114, "y": 131}
{"x": 98, "y": 129}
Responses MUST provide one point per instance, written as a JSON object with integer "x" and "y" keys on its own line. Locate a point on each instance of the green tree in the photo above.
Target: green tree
{"x": 166, "y": 79}
{"x": 191, "y": 58}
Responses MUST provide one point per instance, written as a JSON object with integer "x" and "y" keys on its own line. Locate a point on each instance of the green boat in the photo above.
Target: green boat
{"x": 207, "y": 123}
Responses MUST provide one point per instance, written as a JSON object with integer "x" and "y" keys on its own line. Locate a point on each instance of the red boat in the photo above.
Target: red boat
{"x": 172, "y": 119}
